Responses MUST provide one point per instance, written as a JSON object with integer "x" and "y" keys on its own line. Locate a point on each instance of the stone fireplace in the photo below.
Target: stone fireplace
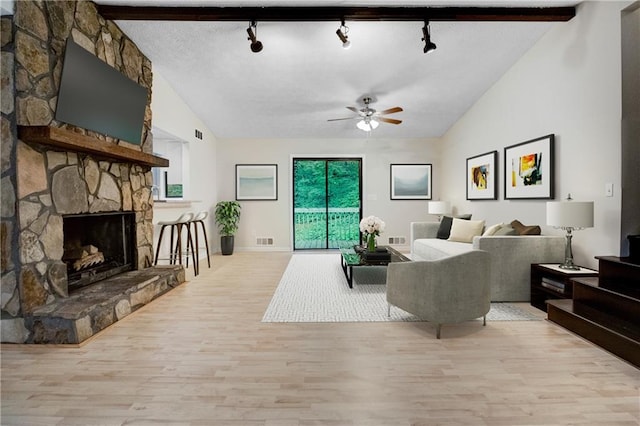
{"x": 66, "y": 189}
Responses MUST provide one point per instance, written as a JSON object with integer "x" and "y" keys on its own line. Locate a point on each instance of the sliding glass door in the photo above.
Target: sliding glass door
{"x": 327, "y": 202}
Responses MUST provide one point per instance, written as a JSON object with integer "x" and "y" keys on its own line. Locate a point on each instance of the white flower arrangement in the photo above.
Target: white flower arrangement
{"x": 372, "y": 225}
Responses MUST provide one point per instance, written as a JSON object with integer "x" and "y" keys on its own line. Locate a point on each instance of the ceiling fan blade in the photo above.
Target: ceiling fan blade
{"x": 354, "y": 109}
{"x": 391, "y": 110}
{"x": 338, "y": 119}
{"x": 389, "y": 120}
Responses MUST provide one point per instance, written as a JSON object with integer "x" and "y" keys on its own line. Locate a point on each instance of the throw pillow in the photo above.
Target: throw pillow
{"x": 505, "y": 230}
{"x": 492, "y": 229}
{"x": 464, "y": 230}
{"x": 445, "y": 225}
{"x": 525, "y": 229}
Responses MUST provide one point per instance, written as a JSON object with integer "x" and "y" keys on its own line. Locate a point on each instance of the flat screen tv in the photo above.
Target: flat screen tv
{"x": 97, "y": 97}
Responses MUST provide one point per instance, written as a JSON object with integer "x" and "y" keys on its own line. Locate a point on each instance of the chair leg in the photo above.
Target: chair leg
{"x": 172, "y": 251}
{"x": 388, "y": 310}
{"x": 159, "y": 242}
{"x": 186, "y": 255}
{"x": 188, "y": 226}
{"x": 206, "y": 242}
{"x": 193, "y": 256}
{"x": 194, "y": 250}
{"x": 484, "y": 320}
{"x": 438, "y": 328}
{"x": 178, "y": 248}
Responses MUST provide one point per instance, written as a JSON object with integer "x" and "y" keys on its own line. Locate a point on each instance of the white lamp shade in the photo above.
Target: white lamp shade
{"x": 439, "y": 207}
{"x": 570, "y": 214}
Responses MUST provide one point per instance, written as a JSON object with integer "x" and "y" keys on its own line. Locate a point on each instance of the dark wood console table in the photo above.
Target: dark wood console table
{"x": 548, "y": 282}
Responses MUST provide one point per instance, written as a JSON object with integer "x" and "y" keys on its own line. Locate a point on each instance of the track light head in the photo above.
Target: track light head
{"x": 256, "y": 45}
{"x": 428, "y": 44}
{"x": 342, "y": 35}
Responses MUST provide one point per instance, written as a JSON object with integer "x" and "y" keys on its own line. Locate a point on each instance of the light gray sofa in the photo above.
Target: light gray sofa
{"x": 510, "y": 256}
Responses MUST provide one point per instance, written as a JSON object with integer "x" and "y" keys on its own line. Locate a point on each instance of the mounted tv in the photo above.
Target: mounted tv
{"x": 97, "y": 97}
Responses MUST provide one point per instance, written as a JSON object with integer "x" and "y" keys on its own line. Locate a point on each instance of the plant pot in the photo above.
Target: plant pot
{"x": 226, "y": 245}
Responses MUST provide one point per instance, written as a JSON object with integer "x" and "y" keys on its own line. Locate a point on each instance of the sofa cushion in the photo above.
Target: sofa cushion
{"x": 463, "y": 231}
{"x": 505, "y": 230}
{"x": 445, "y": 225}
{"x": 492, "y": 229}
{"x": 434, "y": 248}
{"x": 525, "y": 229}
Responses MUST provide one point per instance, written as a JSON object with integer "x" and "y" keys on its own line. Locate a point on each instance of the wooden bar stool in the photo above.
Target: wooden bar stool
{"x": 175, "y": 246}
{"x": 199, "y": 219}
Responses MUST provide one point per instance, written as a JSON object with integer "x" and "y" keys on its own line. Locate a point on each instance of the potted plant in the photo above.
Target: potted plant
{"x": 227, "y": 216}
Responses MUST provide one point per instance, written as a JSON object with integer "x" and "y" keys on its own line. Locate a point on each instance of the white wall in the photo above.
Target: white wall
{"x": 273, "y": 218}
{"x": 568, "y": 84}
{"x": 173, "y": 116}
{"x": 7, "y": 7}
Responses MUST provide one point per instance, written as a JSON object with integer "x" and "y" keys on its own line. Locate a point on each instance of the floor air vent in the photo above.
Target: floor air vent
{"x": 264, "y": 241}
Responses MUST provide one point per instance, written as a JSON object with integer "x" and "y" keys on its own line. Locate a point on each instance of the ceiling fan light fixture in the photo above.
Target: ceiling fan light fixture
{"x": 256, "y": 45}
{"x": 342, "y": 35}
{"x": 429, "y": 46}
{"x": 367, "y": 125}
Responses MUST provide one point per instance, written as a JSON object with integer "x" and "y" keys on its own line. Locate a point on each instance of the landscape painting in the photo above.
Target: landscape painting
{"x": 256, "y": 182}
{"x": 410, "y": 181}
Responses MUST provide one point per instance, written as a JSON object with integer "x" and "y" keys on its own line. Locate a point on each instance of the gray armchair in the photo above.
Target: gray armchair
{"x": 449, "y": 290}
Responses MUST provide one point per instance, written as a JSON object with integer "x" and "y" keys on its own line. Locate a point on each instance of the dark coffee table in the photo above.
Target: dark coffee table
{"x": 351, "y": 258}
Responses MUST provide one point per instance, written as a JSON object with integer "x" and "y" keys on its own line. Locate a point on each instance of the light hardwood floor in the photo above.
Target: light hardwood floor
{"x": 200, "y": 356}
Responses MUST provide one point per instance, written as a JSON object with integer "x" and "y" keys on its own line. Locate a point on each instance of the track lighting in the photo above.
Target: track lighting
{"x": 428, "y": 44}
{"x": 256, "y": 45}
{"x": 342, "y": 35}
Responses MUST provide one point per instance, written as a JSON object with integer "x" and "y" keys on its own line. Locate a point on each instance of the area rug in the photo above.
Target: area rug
{"x": 313, "y": 288}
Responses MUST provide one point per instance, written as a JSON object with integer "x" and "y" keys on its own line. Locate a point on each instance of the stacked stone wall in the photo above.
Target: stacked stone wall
{"x": 46, "y": 183}
{"x": 13, "y": 328}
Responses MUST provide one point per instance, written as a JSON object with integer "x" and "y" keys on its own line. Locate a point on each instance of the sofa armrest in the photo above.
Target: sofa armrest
{"x": 423, "y": 230}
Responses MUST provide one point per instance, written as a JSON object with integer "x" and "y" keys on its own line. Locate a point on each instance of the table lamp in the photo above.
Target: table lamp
{"x": 570, "y": 216}
{"x": 439, "y": 208}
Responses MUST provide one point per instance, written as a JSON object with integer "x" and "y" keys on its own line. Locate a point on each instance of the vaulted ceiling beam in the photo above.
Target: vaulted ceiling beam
{"x": 299, "y": 14}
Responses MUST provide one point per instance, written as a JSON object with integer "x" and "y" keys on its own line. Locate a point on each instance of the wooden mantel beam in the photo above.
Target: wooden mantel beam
{"x": 71, "y": 141}
{"x": 300, "y": 14}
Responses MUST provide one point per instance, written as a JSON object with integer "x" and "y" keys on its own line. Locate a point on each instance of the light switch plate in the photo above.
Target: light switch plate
{"x": 608, "y": 189}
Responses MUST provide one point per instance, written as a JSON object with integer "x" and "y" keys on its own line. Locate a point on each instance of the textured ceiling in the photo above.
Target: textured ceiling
{"x": 303, "y": 77}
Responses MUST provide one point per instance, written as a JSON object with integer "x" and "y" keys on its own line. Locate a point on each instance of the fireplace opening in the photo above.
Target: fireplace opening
{"x": 97, "y": 246}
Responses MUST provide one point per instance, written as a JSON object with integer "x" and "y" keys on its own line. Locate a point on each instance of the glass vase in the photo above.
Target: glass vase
{"x": 371, "y": 242}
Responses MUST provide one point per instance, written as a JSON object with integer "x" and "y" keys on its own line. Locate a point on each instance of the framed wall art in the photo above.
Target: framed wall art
{"x": 482, "y": 176}
{"x": 411, "y": 181}
{"x": 256, "y": 182}
{"x": 528, "y": 169}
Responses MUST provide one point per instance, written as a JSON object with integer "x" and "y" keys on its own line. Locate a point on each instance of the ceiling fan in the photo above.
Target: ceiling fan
{"x": 369, "y": 117}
